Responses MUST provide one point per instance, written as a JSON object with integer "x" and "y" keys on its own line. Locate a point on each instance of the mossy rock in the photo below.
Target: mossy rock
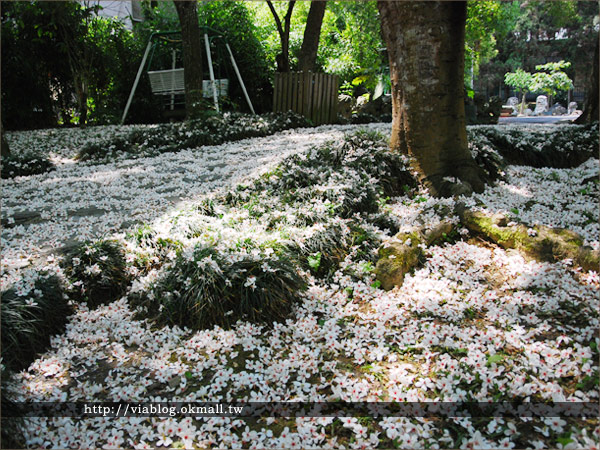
{"x": 397, "y": 259}
{"x": 548, "y": 244}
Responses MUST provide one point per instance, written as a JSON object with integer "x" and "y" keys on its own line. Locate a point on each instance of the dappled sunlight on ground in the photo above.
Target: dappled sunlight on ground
{"x": 473, "y": 322}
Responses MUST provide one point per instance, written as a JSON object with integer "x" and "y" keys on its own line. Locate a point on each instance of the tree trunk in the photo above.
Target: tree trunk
{"x": 192, "y": 55}
{"x": 5, "y": 150}
{"x": 283, "y": 59}
{"x": 522, "y": 108}
{"x": 425, "y": 43}
{"x": 82, "y": 96}
{"x": 590, "y": 109}
{"x": 310, "y": 42}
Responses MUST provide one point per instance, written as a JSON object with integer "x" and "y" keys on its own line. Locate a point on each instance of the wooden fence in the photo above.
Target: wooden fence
{"x": 314, "y": 95}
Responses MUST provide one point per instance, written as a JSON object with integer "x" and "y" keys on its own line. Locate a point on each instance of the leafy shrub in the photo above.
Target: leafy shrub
{"x": 363, "y": 118}
{"x": 28, "y": 321}
{"x": 487, "y": 109}
{"x": 25, "y": 164}
{"x": 559, "y": 147}
{"x": 97, "y": 271}
{"x": 205, "y": 288}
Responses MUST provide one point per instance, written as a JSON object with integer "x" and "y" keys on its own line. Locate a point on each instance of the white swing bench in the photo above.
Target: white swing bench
{"x": 171, "y": 82}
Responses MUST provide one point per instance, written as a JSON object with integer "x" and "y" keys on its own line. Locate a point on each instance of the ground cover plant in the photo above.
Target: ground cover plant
{"x": 172, "y": 137}
{"x": 37, "y": 152}
{"x": 471, "y": 322}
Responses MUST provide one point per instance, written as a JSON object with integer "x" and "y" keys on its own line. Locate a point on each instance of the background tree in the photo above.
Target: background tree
{"x": 427, "y": 76}
{"x": 310, "y": 43}
{"x": 487, "y": 21}
{"x": 540, "y": 32}
{"x": 283, "y": 59}
{"x": 34, "y": 54}
{"x": 521, "y": 81}
{"x": 590, "y": 109}
{"x": 72, "y": 23}
{"x": 191, "y": 37}
{"x": 551, "y": 79}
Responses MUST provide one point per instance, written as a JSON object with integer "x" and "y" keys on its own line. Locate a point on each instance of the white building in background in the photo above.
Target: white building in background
{"x": 125, "y": 11}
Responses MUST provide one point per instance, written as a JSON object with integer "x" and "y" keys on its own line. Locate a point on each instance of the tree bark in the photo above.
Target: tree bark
{"x": 425, "y": 43}
{"x": 283, "y": 59}
{"x": 5, "y": 150}
{"x": 590, "y": 109}
{"x": 310, "y": 42}
{"x": 192, "y": 55}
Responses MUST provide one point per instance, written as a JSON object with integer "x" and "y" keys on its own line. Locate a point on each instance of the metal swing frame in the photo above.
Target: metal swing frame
{"x": 171, "y": 81}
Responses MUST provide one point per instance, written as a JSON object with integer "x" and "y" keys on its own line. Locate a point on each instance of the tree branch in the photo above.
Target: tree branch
{"x": 277, "y": 19}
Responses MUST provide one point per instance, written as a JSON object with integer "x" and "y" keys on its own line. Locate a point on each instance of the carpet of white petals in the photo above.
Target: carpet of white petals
{"x": 85, "y": 201}
{"x": 474, "y": 323}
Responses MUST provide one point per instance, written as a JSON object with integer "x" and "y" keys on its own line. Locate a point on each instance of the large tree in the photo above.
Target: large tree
{"x": 191, "y": 37}
{"x": 310, "y": 42}
{"x": 425, "y": 44}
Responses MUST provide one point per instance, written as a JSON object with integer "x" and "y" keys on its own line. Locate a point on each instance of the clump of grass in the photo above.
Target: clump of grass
{"x": 205, "y": 288}
{"x": 385, "y": 221}
{"x": 264, "y": 290}
{"x": 97, "y": 272}
{"x": 191, "y": 293}
{"x": 323, "y": 252}
{"x": 351, "y": 176}
{"x": 152, "y": 249}
{"x": 30, "y": 320}
{"x": 25, "y": 164}
{"x": 10, "y": 427}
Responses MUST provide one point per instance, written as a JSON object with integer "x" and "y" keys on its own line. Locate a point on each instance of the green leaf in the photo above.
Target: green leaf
{"x": 492, "y": 359}
{"x": 188, "y": 375}
{"x": 314, "y": 261}
{"x": 564, "y": 440}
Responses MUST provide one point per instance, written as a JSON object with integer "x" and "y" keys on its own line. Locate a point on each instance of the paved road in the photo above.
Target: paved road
{"x": 538, "y": 119}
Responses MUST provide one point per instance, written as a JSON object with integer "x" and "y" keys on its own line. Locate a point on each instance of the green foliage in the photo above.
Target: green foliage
{"x": 325, "y": 250}
{"x": 97, "y": 271}
{"x": 539, "y": 32}
{"x": 487, "y": 21}
{"x": 520, "y": 80}
{"x": 235, "y": 21}
{"x": 70, "y": 58}
{"x": 551, "y": 79}
{"x": 350, "y": 43}
{"x": 24, "y": 164}
{"x": 207, "y": 288}
{"x": 314, "y": 261}
{"x": 28, "y": 321}
{"x": 566, "y": 146}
